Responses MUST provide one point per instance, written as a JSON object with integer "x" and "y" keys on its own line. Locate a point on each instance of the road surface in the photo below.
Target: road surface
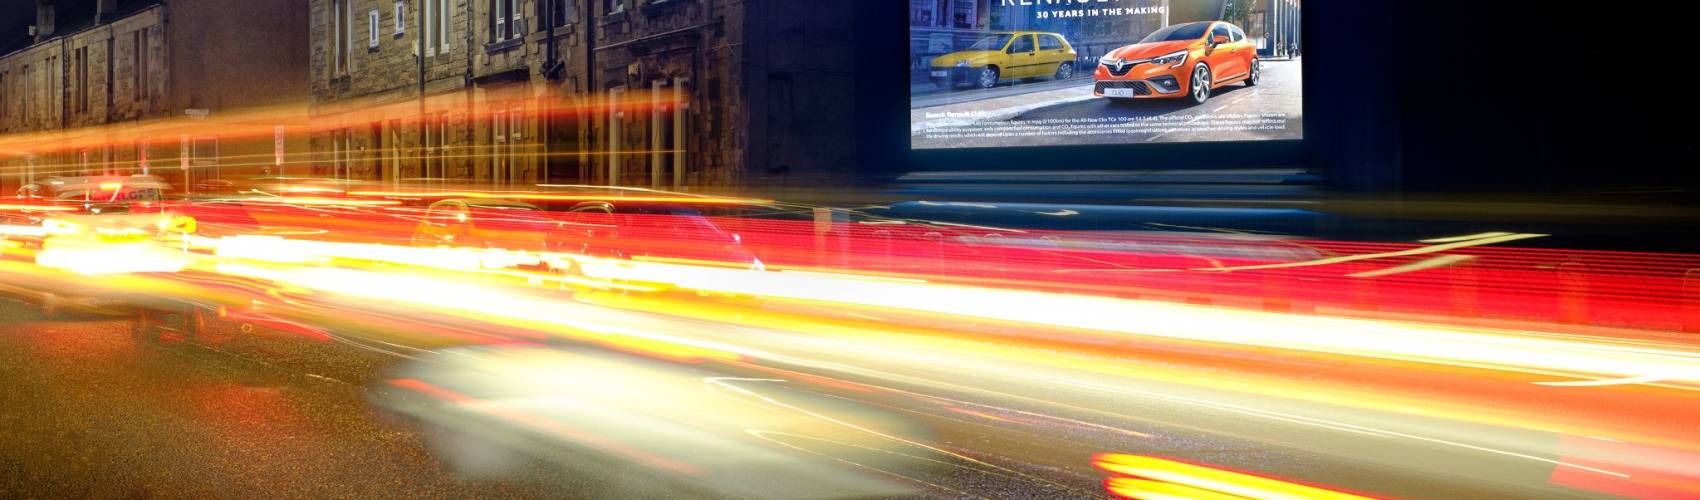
{"x": 88, "y": 410}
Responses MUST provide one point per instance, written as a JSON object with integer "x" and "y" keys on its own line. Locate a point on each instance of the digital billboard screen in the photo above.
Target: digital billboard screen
{"x": 1025, "y": 73}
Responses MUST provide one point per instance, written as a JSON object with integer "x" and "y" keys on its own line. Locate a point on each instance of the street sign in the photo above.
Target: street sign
{"x": 277, "y": 144}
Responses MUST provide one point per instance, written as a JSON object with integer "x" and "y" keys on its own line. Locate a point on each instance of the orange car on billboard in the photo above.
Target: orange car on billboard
{"x": 1181, "y": 61}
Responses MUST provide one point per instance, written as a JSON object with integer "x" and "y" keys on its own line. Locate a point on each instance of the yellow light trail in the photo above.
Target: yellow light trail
{"x": 1469, "y": 347}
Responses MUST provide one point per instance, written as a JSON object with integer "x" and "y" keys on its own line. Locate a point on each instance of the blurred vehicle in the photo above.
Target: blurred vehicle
{"x": 484, "y": 223}
{"x": 97, "y": 194}
{"x": 52, "y": 204}
{"x": 71, "y": 248}
{"x": 1006, "y": 56}
{"x": 626, "y": 229}
{"x": 292, "y": 186}
{"x": 1195, "y": 58}
{"x": 624, "y": 426}
{"x": 216, "y": 186}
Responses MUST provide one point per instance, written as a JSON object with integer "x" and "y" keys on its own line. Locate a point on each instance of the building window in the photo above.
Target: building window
{"x": 394, "y": 151}
{"x": 443, "y": 22}
{"x": 82, "y": 74}
{"x": 139, "y": 64}
{"x": 400, "y": 17}
{"x": 24, "y": 99}
{"x": 613, "y": 6}
{"x": 503, "y": 20}
{"x": 436, "y": 145}
{"x": 341, "y": 11}
{"x": 436, "y": 27}
{"x": 561, "y": 13}
{"x": 339, "y": 152}
{"x": 372, "y": 29}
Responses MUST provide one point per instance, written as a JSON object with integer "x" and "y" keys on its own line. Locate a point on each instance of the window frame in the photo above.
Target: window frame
{"x": 400, "y": 18}
{"x": 442, "y": 27}
{"x": 341, "y": 17}
{"x": 1054, "y": 39}
{"x": 1211, "y": 34}
{"x": 435, "y": 39}
{"x": 374, "y": 20}
{"x": 139, "y": 65}
{"x": 1032, "y": 45}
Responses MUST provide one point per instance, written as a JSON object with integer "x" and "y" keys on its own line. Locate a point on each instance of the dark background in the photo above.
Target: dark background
{"x": 1405, "y": 96}
{"x": 1400, "y": 96}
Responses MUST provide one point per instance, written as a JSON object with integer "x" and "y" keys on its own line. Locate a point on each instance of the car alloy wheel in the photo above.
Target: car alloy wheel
{"x": 1066, "y": 71}
{"x": 988, "y": 77}
{"x": 1256, "y": 72}
{"x": 1200, "y": 84}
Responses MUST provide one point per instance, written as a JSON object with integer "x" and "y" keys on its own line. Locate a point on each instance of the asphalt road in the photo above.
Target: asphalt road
{"x": 86, "y": 412}
{"x": 89, "y": 412}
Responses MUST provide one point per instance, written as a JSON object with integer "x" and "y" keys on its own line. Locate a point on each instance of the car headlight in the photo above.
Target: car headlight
{"x": 962, "y": 64}
{"x": 1174, "y": 59}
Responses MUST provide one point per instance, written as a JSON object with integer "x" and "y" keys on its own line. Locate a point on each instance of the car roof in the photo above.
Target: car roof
{"x": 95, "y": 182}
{"x": 491, "y": 203}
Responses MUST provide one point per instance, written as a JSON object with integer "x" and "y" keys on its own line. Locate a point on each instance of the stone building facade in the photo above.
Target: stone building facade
{"x": 132, "y": 86}
{"x": 671, "y": 94}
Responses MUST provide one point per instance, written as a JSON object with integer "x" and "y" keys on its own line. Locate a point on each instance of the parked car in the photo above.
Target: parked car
{"x": 1181, "y": 61}
{"x": 1000, "y": 57}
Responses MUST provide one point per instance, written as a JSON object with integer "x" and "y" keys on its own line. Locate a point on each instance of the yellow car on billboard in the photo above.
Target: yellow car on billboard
{"x": 999, "y": 57}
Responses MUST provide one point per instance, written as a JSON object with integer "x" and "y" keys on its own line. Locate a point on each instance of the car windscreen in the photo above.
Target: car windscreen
{"x": 994, "y": 42}
{"x": 1190, "y": 31}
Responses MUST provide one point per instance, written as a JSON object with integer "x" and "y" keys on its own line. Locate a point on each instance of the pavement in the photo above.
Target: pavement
{"x": 1066, "y": 113}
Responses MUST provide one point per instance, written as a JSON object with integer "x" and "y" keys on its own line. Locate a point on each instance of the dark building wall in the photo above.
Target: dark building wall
{"x": 1586, "y": 104}
{"x": 802, "y": 73}
{"x": 231, "y": 54}
{"x": 151, "y": 62}
{"x": 36, "y": 76}
{"x": 607, "y": 115}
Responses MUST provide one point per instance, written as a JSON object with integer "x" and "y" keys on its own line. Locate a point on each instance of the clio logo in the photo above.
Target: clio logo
{"x": 1121, "y": 65}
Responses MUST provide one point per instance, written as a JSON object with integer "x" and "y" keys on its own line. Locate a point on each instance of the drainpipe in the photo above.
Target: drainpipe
{"x": 467, "y": 95}
{"x": 590, "y": 86}
{"x": 64, "y": 84}
{"x": 419, "y": 55}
